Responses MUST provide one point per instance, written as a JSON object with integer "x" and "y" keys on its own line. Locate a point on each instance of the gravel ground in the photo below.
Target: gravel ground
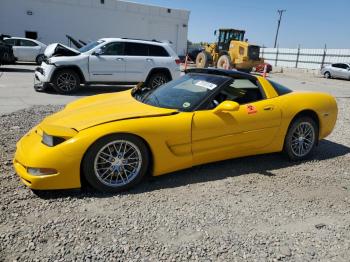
{"x": 260, "y": 208}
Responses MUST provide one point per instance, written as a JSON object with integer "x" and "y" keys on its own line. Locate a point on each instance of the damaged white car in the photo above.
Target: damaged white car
{"x": 107, "y": 61}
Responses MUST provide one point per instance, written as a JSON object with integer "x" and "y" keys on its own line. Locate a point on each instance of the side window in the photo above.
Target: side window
{"x": 136, "y": 49}
{"x": 116, "y": 48}
{"x": 280, "y": 89}
{"x": 336, "y": 65}
{"x": 155, "y": 50}
{"x": 242, "y": 91}
{"x": 343, "y": 66}
{"x": 10, "y": 41}
{"x": 23, "y": 42}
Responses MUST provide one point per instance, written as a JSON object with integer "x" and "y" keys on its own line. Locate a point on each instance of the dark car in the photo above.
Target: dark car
{"x": 6, "y": 52}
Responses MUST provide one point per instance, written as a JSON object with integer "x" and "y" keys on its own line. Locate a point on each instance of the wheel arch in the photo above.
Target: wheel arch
{"x": 71, "y": 67}
{"x": 309, "y": 113}
{"x": 83, "y": 181}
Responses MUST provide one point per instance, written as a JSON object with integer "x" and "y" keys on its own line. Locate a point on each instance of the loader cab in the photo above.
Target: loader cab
{"x": 225, "y": 37}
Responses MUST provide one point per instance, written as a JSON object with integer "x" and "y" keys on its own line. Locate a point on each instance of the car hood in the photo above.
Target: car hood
{"x": 58, "y": 49}
{"x": 99, "y": 109}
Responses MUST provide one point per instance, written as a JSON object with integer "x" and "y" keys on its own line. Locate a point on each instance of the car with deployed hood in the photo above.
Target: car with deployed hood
{"x": 107, "y": 61}
{"x": 113, "y": 140}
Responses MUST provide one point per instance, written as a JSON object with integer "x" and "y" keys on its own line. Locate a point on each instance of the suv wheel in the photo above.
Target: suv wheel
{"x": 157, "y": 79}
{"x": 66, "y": 81}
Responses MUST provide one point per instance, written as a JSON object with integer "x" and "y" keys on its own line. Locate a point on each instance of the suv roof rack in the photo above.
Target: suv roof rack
{"x": 153, "y": 40}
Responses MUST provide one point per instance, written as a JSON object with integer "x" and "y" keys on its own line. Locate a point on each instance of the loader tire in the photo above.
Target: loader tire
{"x": 224, "y": 62}
{"x": 203, "y": 60}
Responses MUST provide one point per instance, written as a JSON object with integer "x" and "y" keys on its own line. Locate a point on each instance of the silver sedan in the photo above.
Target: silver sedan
{"x": 339, "y": 70}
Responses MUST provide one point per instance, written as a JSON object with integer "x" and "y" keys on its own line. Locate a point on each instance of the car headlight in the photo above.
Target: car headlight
{"x": 49, "y": 61}
{"x": 51, "y": 140}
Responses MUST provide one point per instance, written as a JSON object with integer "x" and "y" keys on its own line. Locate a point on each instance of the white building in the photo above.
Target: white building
{"x": 50, "y": 21}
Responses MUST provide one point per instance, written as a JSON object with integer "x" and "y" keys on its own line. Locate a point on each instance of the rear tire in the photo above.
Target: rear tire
{"x": 203, "y": 60}
{"x": 116, "y": 162}
{"x": 301, "y": 138}
{"x": 66, "y": 81}
{"x": 224, "y": 62}
{"x": 327, "y": 75}
{"x": 157, "y": 79}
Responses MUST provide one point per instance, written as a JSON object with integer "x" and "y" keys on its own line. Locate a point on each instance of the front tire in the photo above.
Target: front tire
{"x": 39, "y": 59}
{"x": 301, "y": 138}
{"x": 327, "y": 75}
{"x": 66, "y": 81}
{"x": 116, "y": 162}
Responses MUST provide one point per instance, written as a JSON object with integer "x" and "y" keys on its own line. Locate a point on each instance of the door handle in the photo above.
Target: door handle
{"x": 120, "y": 59}
{"x": 149, "y": 59}
{"x": 268, "y": 108}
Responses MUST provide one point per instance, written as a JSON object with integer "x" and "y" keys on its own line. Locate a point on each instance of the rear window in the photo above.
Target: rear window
{"x": 155, "y": 50}
{"x": 280, "y": 89}
{"x": 136, "y": 49}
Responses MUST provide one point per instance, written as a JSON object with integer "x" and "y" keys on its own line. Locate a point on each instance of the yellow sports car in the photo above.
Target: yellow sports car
{"x": 112, "y": 140}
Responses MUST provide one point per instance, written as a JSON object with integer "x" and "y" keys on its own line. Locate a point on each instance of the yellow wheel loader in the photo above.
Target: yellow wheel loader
{"x": 230, "y": 51}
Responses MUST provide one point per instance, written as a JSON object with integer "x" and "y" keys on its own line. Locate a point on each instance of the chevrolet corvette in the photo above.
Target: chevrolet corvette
{"x": 112, "y": 141}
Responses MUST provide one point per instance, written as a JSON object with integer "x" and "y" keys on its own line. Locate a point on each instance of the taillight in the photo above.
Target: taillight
{"x": 177, "y": 61}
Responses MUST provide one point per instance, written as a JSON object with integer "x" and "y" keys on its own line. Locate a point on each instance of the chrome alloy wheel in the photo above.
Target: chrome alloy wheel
{"x": 303, "y": 139}
{"x": 117, "y": 163}
{"x": 158, "y": 81}
{"x": 66, "y": 82}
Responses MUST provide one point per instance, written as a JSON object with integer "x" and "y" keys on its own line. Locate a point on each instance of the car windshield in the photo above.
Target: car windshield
{"x": 90, "y": 46}
{"x": 183, "y": 94}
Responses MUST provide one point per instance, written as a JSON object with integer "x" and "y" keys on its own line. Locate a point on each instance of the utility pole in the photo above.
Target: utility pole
{"x": 280, "y": 12}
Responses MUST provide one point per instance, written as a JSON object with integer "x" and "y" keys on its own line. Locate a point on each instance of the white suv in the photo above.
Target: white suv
{"x": 107, "y": 61}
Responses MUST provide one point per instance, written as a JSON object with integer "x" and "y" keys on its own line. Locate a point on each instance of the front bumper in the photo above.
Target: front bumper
{"x": 32, "y": 153}
{"x": 44, "y": 72}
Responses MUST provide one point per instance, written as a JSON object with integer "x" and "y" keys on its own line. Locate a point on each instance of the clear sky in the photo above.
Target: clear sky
{"x": 310, "y": 23}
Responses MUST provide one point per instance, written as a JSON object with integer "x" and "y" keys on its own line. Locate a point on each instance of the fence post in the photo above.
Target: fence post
{"x": 276, "y": 56}
{"x": 324, "y": 55}
{"x": 262, "y": 52}
{"x": 297, "y": 61}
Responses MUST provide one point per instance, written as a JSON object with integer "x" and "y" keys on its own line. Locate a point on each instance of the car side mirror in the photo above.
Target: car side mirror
{"x": 226, "y": 106}
{"x": 98, "y": 52}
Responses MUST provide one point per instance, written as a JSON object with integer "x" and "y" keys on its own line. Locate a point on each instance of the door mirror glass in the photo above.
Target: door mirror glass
{"x": 98, "y": 52}
{"x": 226, "y": 106}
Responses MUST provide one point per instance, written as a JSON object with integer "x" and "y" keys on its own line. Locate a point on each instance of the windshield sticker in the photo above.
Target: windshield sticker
{"x": 251, "y": 109}
{"x": 186, "y": 104}
{"x": 206, "y": 84}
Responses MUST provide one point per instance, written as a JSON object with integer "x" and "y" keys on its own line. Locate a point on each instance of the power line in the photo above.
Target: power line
{"x": 280, "y": 12}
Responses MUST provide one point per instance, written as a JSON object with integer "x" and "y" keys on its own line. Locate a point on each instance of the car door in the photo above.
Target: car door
{"x": 217, "y": 136}
{"x": 137, "y": 61}
{"x": 336, "y": 70}
{"x": 28, "y": 50}
{"x": 344, "y": 71}
{"x": 108, "y": 63}
{"x": 15, "y": 45}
